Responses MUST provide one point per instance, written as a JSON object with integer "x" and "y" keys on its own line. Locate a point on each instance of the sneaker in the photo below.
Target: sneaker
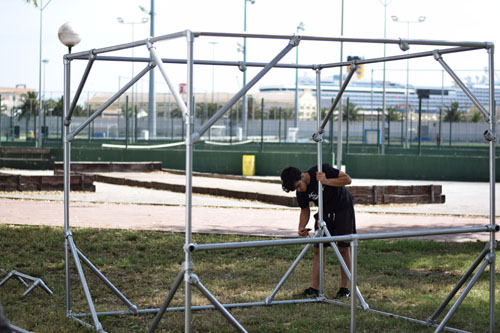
{"x": 343, "y": 293}
{"x": 310, "y": 292}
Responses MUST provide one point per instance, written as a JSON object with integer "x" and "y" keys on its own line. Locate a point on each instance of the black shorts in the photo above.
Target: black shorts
{"x": 342, "y": 222}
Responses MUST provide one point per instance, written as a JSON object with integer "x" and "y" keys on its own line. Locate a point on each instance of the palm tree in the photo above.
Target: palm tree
{"x": 353, "y": 111}
{"x": 29, "y": 104}
{"x": 392, "y": 115}
{"x": 476, "y": 117}
{"x": 452, "y": 113}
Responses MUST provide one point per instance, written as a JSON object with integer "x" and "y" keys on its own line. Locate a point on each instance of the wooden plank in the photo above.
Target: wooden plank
{"x": 45, "y": 183}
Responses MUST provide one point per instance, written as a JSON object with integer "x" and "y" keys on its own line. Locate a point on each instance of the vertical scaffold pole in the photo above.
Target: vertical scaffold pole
{"x": 354, "y": 277}
{"x": 66, "y": 142}
{"x": 492, "y": 255}
{"x": 188, "y": 264}
{"x": 320, "y": 186}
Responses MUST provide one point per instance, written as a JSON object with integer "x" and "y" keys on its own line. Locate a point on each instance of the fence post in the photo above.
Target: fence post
{"x": 90, "y": 127}
{"x": 402, "y": 129}
{"x": 347, "y": 127}
{"x": 26, "y": 134}
{"x": 388, "y": 129}
{"x": 262, "y": 124}
{"x": 440, "y": 120}
{"x": 279, "y": 124}
{"x": 286, "y": 125}
{"x": 46, "y": 134}
{"x": 0, "y": 120}
{"x": 450, "y": 132}
{"x": 135, "y": 123}
{"x": 231, "y": 125}
{"x": 126, "y": 121}
{"x": 378, "y": 130}
{"x": 419, "y": 126}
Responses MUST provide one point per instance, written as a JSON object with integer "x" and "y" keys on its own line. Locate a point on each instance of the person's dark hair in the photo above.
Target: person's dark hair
{"x": 289, "y": 176}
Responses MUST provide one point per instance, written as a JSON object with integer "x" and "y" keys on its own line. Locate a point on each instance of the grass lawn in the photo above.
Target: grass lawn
{"x": 406, "y": 277}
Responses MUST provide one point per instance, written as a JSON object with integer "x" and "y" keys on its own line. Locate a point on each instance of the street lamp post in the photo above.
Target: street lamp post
{"x": 152, "y": 101}
{"x": 244, "y": 109}
{"x": 44, "y": 61}
{"x": 385, "y": 3}
{"x": 296, "y": 119}
{"x": 213, "y": 73}
{"x": 142, "y": 21}
{"x": 39, "y": 136}
{"x": 407, "y": 106}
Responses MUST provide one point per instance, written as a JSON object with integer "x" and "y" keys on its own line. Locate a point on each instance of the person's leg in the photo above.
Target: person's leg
{"x": 315, "y": 272}
{"x": 344, "y": 224}
{"x": 4, "y": 323}
{"x": 346, "y": 255}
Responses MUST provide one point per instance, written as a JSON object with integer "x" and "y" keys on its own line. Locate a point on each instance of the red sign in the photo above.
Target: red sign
{"x": 183, "y": 88}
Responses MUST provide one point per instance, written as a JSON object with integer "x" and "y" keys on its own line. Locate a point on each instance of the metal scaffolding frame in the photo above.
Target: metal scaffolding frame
{"x": 486, "y": 257}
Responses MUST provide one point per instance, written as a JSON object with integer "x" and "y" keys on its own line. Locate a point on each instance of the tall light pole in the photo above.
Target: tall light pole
{"x": 132, "y": 23}
{"x": 407, "y": 106}
{"x": 213, "y": 73}
{"x": 339, "y": 128}
{"x": 296, "y": 119}
{"x": 244, "y": 108}
{"x": 385, "y": 3}
{"x": 152, "y": 102}
{"x": 40, "y": 110}
{"x": 44, "y": 61}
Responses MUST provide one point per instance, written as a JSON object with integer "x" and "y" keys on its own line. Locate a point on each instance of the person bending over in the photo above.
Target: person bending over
{"x": 338, "y": 213}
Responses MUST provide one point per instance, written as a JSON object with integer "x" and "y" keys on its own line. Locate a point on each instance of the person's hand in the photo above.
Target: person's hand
{"x": 304, "y": 232}
{"x": 321, "y": 177}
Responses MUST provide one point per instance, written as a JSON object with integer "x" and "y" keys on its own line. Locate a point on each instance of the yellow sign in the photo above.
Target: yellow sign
{"x": 360, "y": 69}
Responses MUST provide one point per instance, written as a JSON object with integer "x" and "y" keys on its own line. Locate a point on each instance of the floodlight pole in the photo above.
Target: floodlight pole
{"x": 382, "y": 143}
{"x": 296, "y": 115}
{"x": 340, "y": 93}
{"x": 40, "y": 109}
{"x": 152, "y": 100}
{"x": 407, "y": 105}
{"x": 244, "y": 104}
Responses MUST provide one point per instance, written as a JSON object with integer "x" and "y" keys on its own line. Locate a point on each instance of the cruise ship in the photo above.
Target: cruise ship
{"x": 369, "y": 95}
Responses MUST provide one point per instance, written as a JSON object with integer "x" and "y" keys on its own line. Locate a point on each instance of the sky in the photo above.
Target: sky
{"x": 96, "y": 22}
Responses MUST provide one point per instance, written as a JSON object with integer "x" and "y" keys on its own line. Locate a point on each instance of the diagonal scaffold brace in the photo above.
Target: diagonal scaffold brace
{"x": 186, "y": 274}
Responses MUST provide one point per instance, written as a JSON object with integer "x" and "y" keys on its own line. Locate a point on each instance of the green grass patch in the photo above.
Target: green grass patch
{"x": 406, "y": 277}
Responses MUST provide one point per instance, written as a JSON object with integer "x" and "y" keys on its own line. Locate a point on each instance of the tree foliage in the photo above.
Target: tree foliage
{"x": 476, "y": 117}
{"x": 353, "y": 111}
{"x": 29, "y": 105}
{"x": 392, "y": 114}
{"x": 35, "y": 2}
{"x": 452, "y": 113}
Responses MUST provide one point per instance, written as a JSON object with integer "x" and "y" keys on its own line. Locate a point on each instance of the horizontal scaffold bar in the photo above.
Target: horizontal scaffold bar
{"x": 350, "y": 40}
{"x": 184, "y": 33}
{"x": 299, "y": 66}
{"x": 127, "y": 45}
{"x": 346, "y": 238}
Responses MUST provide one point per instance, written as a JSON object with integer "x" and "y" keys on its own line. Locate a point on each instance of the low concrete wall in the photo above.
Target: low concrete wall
{"x": 470, "y": 166}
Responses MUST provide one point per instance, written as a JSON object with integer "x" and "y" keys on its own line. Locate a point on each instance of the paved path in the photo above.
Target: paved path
{"x": 114, "y": 206}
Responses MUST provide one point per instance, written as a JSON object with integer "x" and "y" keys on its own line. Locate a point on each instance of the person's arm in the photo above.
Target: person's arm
{"x": 303, "y": 220}
{"x": 342, "y": 180}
